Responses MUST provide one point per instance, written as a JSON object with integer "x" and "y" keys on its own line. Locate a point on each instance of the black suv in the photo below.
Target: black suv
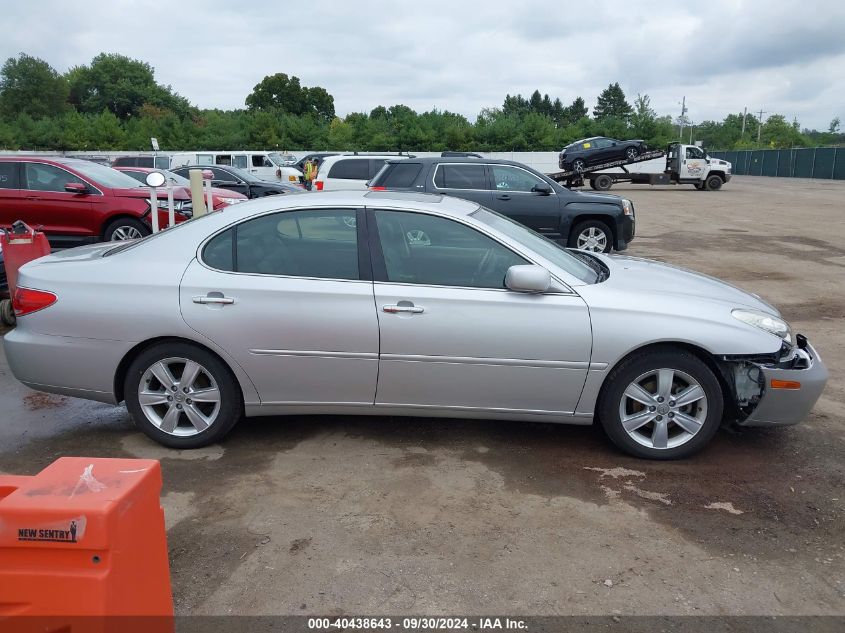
{"x": 588, "y": 221}
{"x": 239, "y": 180}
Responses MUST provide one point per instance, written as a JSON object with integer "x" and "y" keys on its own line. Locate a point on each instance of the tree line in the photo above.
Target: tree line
{"x": 115, "y": 103}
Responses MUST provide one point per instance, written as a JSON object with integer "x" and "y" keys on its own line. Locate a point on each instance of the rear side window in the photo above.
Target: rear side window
{"x": 240, "y": 161}
{"x": 350, "y": 169}
{"x": 460, "y": 177}
{"x": 9, "y": 176}
{"x": 162, "y": 162}
{"x": 218, "y": 252}
{"x": 399, "y": 175}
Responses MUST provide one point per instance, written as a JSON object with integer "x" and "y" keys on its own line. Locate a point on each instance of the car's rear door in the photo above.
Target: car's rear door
{"x": 454, "y": 339}
{"x": 470, "y": 181}
{"x": 289, "y": 296}
{"x": 47, "y": 204}
{"x": 11, "y": 198}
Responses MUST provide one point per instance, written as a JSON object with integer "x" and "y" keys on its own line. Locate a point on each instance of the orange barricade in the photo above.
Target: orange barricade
{"x": 20, "y": 246}
{"x": 84, "y": 537}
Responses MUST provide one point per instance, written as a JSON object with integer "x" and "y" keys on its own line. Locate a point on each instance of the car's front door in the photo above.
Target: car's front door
{"x": 288, "y": 296}
{"x": 516, "y": 196}
{"x": 469, "y": 181}
{"x": 693, "y": 163}
{"x": 49, "y": 205}
{"x": 452, "y": 336}
{"x": 11, "y": 199}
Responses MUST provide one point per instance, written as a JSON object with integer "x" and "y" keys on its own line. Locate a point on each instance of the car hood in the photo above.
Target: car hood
{"x": 607, "y": 198}
{"x": 647, "y": 277}
{"x": 144, "y": 192}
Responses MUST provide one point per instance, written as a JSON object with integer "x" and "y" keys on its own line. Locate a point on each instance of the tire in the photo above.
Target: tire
{"x": 592, "y": 183}
{"x": 587, "y": 234}
{"x": 7, "y": 312}
{"x": 218, "y": 411}
{"x": 603, "y": 182}
{"x": 713, "y": 183}
{"x": 125, "y": 229}
{"x": 660, "y": 435}
{"x": 579, "y": 165}
{"x": 631, "y": 153}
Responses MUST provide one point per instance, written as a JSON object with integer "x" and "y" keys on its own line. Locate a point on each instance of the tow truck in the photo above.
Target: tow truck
{"x": 685, "y": 165}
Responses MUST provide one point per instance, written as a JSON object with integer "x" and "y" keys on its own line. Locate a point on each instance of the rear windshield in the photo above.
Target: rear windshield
{"x": 350, "y": 169}
{"x": 398, "y": 175}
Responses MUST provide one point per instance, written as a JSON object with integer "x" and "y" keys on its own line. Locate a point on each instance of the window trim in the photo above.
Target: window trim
{"x": 486, "y": 177}
{"x": 22, "y": 176}
{"x": 365, "y": 271}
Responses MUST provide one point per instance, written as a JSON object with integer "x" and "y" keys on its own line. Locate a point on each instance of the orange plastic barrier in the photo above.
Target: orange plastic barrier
{"x": 84, "y": 537}
{"x": 20, "y": 246}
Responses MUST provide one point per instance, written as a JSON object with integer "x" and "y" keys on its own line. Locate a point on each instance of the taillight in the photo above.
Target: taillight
{"x": 378, "y": 188}
{"x": 27, "y": 300}
{"x": 318, "y": 184}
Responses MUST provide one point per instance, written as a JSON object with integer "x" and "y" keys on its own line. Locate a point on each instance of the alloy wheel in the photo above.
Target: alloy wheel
{"x": 592, "y": 239}
{"x": 126, "y": 233}
{"x": 631, "y": 153}
{"x": 663, "y": 408}
{"x": 179, "y": 396}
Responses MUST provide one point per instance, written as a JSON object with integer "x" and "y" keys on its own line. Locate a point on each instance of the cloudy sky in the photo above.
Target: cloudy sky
{"x": 462, "y": 55}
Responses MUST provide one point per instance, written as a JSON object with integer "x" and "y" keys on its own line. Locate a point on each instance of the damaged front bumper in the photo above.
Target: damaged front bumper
{"x": 783, "y": 393}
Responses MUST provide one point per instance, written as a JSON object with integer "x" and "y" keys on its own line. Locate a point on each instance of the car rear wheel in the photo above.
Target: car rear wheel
{"x": 579, "y": 165}
{"x": 593, "y": 235}
{"x": 663, "y": 404}
{"x": 182, "y": 396}
{"x": 603, "y": 182}
{"x": 126, "y": 229}
{"x": 631, "y": 153}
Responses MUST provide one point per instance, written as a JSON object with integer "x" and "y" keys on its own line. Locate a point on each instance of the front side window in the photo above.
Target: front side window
{"x": 430, "y": 250}
{"x": 460, "y": 177}
{"x": 41, "y": 177}
{"x": 350, "y": 169}
{"x": 9, "y": 176}
{"x": 694, "y": 152}
{"x": 320, "y": 243}
{"x": 515, "y": 179}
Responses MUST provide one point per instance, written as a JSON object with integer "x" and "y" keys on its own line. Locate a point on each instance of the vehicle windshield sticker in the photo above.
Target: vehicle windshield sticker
{"x": 68, "y": 531}
{"x": 586, "y": 146}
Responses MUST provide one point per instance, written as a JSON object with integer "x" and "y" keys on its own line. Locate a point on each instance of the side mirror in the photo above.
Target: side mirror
{"x": 76, "y": 187}
{"x": 528, "y": 278}
{"x": 543, "y": 189}
{"x": 155, "y": 179}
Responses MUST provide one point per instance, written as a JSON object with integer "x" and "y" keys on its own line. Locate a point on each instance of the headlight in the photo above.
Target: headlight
{"x": 627, "y": 207}
{"x": 231, "y": 200}
{"x": 177, "y": 204}
{"x": 766, "y": 322}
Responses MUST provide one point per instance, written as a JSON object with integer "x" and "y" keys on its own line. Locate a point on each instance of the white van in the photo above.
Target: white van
{"x": 264, "y": 165}
{"x": 350, "y": 171}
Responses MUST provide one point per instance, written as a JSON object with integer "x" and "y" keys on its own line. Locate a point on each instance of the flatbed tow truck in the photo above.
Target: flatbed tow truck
{"x": 685, "y": 165}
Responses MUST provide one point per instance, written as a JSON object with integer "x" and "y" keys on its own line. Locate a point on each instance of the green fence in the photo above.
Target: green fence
{"x": 815, "y": 162}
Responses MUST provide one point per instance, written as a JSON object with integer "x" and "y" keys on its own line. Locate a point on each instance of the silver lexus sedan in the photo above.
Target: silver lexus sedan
{"x": 381, "y": 303}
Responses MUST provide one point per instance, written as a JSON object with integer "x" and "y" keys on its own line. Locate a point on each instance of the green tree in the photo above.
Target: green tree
{"x": 834, "y": 126}
{"x": 30, "y": 85}
{"x": 644, "y": 118}
{"x": 612, "y": 103}
{"x": 575, "y": 111}
{"x": 280, "y": 92}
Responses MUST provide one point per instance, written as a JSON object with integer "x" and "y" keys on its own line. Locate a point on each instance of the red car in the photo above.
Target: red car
{"x": 76, "y": 201}
{"x": 219, "y": 197}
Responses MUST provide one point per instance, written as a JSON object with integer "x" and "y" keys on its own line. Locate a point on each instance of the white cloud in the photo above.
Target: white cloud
{"x": 463, "y": 56}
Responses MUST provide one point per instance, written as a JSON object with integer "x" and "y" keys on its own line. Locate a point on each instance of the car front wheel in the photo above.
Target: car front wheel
{"x": 593, "y": 235}
{"x": 182, "y": 396}
{"x": 662, "y": 404}
{"x": 126, "y": 229}
{"x": 631, "y": 153}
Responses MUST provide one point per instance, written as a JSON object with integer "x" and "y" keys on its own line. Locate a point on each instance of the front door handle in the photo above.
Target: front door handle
{"x": 394, "y": 309}
{"x": 504, "y": 196}
{"x": 209, "y": 299}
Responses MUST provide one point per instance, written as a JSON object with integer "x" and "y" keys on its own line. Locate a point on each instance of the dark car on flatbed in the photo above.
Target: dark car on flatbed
{"x": 588, "y": 221}
{"x": 596, "y": 150}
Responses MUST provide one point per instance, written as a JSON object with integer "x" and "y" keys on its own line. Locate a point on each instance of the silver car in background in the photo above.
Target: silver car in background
{"x": 402, "y": 304}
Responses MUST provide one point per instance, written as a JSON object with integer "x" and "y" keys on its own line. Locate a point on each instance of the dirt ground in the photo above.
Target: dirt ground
{"x": 337, "y": 515}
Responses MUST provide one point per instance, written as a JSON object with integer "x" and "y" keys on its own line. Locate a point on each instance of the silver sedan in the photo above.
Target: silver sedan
{"x": 402, "y": 304}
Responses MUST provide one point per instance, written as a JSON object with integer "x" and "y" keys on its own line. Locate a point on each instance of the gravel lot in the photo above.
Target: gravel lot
{"x": 336, "y": 515}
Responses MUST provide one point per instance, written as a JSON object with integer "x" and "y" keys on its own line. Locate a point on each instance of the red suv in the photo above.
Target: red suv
{"x": 78, "y": 201}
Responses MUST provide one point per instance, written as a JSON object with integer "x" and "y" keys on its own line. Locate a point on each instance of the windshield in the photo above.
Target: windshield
{"x": 176, "y": 179}
{"x": 106, "y": 176}
{"x": 544, "y": 247}
{"x": 277, "y": 159}
{"x": 242, "y": 174}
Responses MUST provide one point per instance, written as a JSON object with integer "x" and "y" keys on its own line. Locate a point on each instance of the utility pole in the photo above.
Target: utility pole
{"x": 760, "y": 124}
{"x": 744, "y": 116}
{"x": 681, "y": 120}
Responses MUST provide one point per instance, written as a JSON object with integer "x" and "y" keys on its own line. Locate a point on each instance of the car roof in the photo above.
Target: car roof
{"x": 428, "y": 160}
{"x": 59, "y": 160}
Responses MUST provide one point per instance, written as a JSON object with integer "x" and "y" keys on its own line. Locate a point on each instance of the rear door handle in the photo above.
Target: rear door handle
{"x": 394, "y": 309}
{"x": 214, "y": 300}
